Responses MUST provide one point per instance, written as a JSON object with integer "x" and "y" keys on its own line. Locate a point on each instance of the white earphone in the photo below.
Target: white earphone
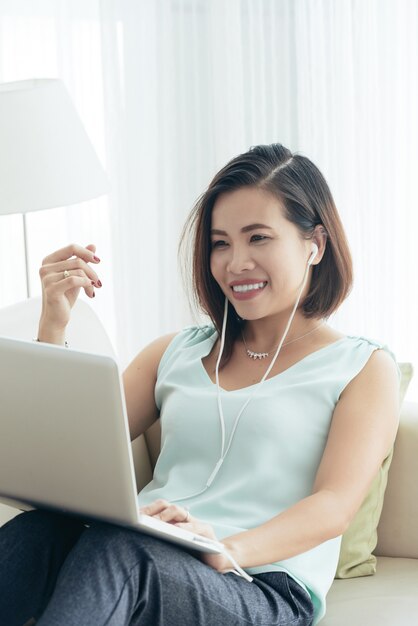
{"x": 313, "y": 254}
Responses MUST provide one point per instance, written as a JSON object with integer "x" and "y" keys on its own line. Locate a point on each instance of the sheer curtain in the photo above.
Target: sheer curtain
{"x": 169, "y": 90}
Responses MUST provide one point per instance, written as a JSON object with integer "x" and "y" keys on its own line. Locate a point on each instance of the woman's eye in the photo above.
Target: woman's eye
{"x": 258, "y": 237}
{"x": 218, "y": 244}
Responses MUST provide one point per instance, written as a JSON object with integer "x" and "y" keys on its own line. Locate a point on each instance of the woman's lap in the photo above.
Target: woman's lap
{"x": 117, "y": 576}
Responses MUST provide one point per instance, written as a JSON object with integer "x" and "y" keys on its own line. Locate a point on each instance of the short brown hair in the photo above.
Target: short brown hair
{"x": 303, "y": 191}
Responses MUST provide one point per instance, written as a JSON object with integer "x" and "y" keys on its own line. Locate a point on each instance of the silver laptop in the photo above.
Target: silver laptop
{"x": 64, "y": 439}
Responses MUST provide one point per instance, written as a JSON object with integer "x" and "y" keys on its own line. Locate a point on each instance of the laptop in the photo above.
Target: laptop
{"x": 65, "y": 442}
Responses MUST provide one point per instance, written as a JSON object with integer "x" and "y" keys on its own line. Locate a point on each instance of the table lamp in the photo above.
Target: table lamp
{"x": 46, "y": 157}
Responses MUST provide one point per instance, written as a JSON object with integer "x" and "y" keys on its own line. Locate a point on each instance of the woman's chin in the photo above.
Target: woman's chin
{"x": 247, "y": 314}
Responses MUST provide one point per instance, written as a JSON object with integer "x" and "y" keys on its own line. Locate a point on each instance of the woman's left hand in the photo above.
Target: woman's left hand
{"x": 180, "y": 516}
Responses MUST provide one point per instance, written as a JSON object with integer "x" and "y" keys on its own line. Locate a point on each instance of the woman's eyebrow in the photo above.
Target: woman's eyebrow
{"x": 244, "y": 229}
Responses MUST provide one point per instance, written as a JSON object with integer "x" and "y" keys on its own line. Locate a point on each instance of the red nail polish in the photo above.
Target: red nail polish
{"x": 96, "y": 258}
{"x": 92, "y": 282}
{"x": 94, "y": 295}
{"x": 99, "y": 283}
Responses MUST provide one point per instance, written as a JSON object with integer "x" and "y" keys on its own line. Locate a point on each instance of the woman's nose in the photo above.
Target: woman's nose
{"x": 239, "y": 261}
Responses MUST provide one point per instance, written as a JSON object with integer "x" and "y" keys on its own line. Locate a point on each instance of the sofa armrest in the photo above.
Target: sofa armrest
{"x": 398, "y": 526}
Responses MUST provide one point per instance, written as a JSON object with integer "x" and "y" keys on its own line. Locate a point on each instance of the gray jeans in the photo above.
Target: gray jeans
{"x": 60, "y": 572}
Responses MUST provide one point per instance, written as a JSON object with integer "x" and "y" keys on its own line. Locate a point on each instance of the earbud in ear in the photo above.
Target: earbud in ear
{"x": 313, "y": 253}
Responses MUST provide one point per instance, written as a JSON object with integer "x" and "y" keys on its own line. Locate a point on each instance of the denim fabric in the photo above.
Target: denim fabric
{"x": 62, "y": 573}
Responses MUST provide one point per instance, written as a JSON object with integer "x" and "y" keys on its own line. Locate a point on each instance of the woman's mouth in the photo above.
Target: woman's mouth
{"x": 248, "y": 290}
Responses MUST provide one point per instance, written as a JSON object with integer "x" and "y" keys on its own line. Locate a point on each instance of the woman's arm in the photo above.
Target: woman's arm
{"x": 363, "y": 428}
{"x": 139, "y": 380}
{"x": 63, "y": 274}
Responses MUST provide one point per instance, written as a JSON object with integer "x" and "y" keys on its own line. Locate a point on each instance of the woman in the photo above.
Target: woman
{"x": 273, "y": 423}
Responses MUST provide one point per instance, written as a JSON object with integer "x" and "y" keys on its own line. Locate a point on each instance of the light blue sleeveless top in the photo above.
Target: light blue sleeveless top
{"x": 275, "y": 452}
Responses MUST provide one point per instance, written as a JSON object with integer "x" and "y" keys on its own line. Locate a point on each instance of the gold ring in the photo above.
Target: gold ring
{"x": 66, "y": 274}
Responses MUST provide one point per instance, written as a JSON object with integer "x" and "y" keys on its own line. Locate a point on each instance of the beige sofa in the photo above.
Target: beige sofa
{"x": 390, "y": 597}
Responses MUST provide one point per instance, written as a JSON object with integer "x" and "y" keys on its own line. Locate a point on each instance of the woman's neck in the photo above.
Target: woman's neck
{"x": 263, "y": 335}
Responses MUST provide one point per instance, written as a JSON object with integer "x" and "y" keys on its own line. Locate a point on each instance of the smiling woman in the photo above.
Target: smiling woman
{"x": 270, "y": 454}
{"x": 268, "y": 206}
{"x": 278, "y": 258}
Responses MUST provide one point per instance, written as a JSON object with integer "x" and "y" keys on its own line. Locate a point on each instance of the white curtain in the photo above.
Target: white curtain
{"x": 169, "y": 90}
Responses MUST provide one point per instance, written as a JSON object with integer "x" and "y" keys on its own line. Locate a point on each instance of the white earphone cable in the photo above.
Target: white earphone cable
{"x": 258, "y": 385}
{"x": 221, "y": 459}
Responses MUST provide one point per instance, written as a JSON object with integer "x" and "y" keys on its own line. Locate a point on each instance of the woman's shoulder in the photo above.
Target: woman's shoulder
{"x": 383, "y": 357}
{"x": 373, "y": 345}
{"x": 370, "y": 360}
{"x": 189, "y": 335}
{"x": 331, "y": 335}
{"x": 355, "y": 351}
{"x": 380, "y": 374}
{"x": 198, "y": 332}
{"x": 194, "y": 334}
{"x": 185, "y": 339}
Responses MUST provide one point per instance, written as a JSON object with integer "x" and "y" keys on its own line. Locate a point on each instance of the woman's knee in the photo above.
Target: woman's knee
{"x": 40, "y": 527}
{"x": 41, "y": 518}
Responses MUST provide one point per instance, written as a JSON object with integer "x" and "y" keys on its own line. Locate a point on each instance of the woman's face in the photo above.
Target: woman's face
{"x": 258, "y": 251}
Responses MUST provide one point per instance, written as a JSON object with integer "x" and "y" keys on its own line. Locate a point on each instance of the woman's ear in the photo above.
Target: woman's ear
{"x": 319, "y": 237}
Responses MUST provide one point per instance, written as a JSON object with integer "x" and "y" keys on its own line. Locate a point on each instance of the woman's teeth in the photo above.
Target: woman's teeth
{"x": 243, "y": 288}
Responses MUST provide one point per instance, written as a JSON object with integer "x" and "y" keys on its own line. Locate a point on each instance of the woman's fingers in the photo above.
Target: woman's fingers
{"x": 69, "y": 262}
{"x": 73, "y": 249}
{"x": 75, "y": 266}
{"x": 63, "y": 273}
{"x": 166, "y": 512}
{"x": 154, "y": 507}
{"x": 174, "y": 514}
{"x": 58, "y": 283}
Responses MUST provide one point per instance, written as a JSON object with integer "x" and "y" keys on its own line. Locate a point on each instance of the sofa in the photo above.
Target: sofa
{"x": 390, "y": 596}
{"x": 387, "y": 598}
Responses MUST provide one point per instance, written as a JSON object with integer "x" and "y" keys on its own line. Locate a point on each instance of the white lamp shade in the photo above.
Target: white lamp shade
{"x": 46, "y": 158}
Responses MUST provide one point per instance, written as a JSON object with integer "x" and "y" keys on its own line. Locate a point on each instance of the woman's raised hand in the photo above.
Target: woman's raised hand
{"x": 63, "y": 273}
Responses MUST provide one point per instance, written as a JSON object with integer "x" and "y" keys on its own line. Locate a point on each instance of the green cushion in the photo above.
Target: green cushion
{"x": 360, "y": 539}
